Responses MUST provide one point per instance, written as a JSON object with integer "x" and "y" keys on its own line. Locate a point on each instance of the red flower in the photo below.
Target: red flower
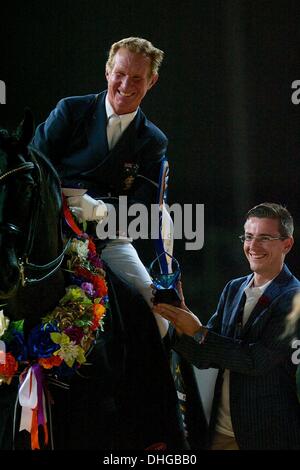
{"x": 49, "y": 362}
{"x": 84, "y": 272}
{"x": 97, "y": 281}
{"x": 9, "y": 368}
{"x": 92, "y": 246}
{"x": 100, "y": 286}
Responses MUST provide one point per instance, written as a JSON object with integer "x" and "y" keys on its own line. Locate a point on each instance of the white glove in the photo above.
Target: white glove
{"x": 86, "y": 208}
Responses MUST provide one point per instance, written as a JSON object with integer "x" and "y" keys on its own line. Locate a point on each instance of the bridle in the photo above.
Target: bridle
{"x": 26, "y": 166}
{"x": 22, "y": 168}
{"x": 44, "y": 271}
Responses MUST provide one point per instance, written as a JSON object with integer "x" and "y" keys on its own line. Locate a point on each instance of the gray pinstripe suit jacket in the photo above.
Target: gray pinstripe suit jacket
{"x": 264, "y": 408}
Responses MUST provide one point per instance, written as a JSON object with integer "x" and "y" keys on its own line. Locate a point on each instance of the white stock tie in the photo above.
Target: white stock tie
{"x": 113, "y": 130}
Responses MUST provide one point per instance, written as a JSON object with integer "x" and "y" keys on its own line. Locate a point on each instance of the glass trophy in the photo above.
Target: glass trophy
{"x": 165, "y": 273}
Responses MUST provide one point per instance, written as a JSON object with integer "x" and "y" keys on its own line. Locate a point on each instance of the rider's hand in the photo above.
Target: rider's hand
{"x": 87, "y": 208}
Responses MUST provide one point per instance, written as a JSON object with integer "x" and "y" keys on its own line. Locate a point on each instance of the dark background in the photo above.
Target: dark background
{"x": 223, "y": 99}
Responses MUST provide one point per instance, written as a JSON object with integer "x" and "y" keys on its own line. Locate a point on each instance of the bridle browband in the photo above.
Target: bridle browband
{"x": 23, "y": 262}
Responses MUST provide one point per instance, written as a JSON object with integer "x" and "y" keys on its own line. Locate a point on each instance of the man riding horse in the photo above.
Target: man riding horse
{"x": 104, "y": 143}
{"x": 124, "y": 396}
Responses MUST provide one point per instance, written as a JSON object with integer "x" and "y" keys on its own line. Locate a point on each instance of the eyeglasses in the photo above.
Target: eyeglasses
{"x": 260, "y": 239}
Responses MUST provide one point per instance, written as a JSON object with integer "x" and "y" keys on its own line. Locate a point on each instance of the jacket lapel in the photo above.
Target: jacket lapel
{"x": 272, "y": 291}
{"x": 229, "y": 322}
{"x": 110, "y": 164}
{"x": 97, "y": 137}
{"x": 127, "y": 143}
{"x": 95, "y": 128}
{"x": 123, "y": 152}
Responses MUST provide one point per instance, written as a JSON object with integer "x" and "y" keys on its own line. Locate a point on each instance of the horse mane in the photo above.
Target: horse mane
{"x": 45, "y": 162}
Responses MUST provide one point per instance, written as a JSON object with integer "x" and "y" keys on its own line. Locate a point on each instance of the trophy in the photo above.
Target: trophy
{"x": 165, "y": 273}
{"x": 164, "y": 269}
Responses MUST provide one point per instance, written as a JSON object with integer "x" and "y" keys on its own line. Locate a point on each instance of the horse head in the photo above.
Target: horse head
{"x": 30, "y": 224}
{"x": 16, "y": 193}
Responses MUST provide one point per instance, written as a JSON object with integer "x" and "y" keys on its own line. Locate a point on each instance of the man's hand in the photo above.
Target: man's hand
{"x": 86, "y": 208}
{"x": 181, "y": 295}
{"x": 183, "y": 319}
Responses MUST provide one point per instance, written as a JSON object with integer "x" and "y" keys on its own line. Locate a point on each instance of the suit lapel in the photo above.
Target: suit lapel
{"x": 96, "y": 128}
{"x": 238, "y": 306}
{"x": 272, "y": 291}
{"x": 123, "y": 152}
{"x": 97, "y": 137}
{"x": 110, "y": 164}
{"x": 127, "y": 143}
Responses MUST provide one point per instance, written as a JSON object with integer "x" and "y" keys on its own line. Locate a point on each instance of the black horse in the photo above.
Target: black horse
{"x": 125, "y": 398}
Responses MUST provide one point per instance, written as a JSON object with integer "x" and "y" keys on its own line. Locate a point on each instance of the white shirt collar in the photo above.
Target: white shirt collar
{"x": 124, "y": 118}
{"x": 251, "y": 291}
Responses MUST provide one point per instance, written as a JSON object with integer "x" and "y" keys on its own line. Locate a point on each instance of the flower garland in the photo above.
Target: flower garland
{"x": 59, "y": 344}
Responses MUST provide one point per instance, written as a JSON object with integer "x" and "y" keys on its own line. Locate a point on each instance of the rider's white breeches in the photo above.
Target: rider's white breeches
{"x": 123, "y": 260}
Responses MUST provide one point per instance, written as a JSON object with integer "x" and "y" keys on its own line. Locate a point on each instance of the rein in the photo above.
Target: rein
{"x": 23, "y": 262}
{"x": 27, "y": 166}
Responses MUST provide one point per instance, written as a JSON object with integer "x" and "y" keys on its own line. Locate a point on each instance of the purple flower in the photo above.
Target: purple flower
{"x": 88, "y": 288}
{"x": 75, "y": 333}
{"x": 95, "y": 260}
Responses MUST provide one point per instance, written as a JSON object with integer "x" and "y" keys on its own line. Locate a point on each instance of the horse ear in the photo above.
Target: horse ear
{"x": 25, "y": 130}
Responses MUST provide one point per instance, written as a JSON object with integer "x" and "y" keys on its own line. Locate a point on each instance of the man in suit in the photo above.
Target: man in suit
{"x": 255, "y": 401}
{"x": 103, "y": 143}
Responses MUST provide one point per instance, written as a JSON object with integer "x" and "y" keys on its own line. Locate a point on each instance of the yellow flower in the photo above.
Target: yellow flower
{"x": 69, "y": 351}
{"x": 4, "y": 322}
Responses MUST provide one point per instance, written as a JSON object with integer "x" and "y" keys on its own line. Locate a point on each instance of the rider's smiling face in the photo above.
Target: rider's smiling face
{"x": 129, "y": 80}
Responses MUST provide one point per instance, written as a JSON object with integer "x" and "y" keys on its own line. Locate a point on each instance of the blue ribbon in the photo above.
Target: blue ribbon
{"x": 161, "y": 198}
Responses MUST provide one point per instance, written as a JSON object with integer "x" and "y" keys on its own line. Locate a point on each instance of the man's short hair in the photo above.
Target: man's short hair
{"x": 137, "y": 45}
{"x": 271, "y": 210}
